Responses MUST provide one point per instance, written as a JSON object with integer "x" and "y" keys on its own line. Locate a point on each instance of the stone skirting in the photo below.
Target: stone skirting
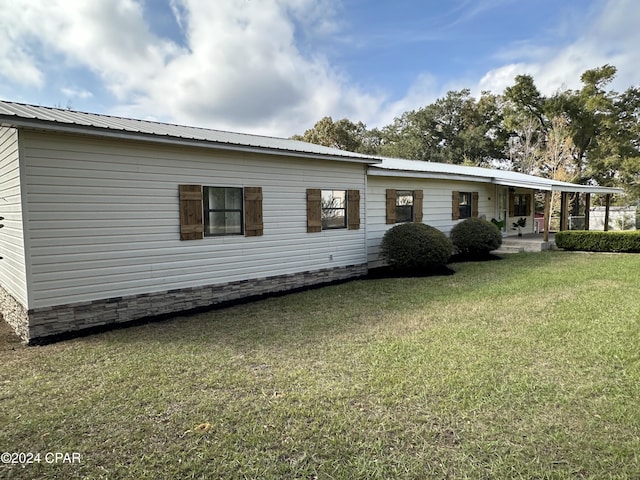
{"x": 62, "y": 321}
{"x": 14, "y": 313}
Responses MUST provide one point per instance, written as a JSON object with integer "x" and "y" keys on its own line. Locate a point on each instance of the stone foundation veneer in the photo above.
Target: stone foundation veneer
{"x": 14, "y": 313}
{"x": 42, "y": 325}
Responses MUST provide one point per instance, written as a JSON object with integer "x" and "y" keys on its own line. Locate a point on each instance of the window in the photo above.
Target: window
{"x": 521, "y": 205}
{"x": 465, "y": 203}
{"x": 214, "y": 211}
{"x": 404, "y": 206}
{"x": 334, "y": 209}
{"x": 222, "y": 211}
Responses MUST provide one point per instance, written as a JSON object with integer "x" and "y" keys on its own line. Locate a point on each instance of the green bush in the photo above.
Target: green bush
{"x": 415, "y": 247}
{"x": 597, "y": 241}
{"x": 475, "y": 236}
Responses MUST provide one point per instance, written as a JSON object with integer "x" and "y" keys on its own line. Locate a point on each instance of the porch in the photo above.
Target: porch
{"x": 529, "y": 242}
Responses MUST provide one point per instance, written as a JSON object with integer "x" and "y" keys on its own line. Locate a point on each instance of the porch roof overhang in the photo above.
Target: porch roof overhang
{"x": 396, "y": 167}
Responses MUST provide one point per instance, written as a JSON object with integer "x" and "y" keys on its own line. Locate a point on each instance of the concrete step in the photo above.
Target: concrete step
{"x": 509, "y": 249}
{"x": 528, "y": 246}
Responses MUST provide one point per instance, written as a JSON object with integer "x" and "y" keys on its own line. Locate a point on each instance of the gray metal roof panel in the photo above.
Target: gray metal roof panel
{"x": 9, "y": 111}
{"x": 500, "y": 177}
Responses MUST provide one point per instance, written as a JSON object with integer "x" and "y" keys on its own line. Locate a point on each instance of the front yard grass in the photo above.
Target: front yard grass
{"x": 528, "y": 367}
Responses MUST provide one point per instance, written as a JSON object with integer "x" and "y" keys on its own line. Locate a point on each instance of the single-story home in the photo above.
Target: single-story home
{"x": 109, "y": 220}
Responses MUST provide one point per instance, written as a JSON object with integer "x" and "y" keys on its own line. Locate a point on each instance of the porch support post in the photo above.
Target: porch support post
{"x": 564, "y": 213}
{"x": 547, "y": 214}
{"x": 587, "y": 208}
{"x": 607, "y": 203}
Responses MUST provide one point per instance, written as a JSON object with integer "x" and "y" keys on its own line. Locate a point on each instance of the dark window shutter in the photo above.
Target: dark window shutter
{"x": 528, "y": 207}
{"x": 314, "y": 210}
{"x": 455, "y": 205}
{"x": 253, "y": 226}
{"x": 391, "y": 206}
{"x": 353, "y": 209}
{"x": 512, "y": 204}
{"x": 418, "y": 197}
{"x": 191, "y": 225}
{"x": 475, "y": 198}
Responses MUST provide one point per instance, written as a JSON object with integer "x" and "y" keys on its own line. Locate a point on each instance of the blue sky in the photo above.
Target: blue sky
{"x": 275, "y": 67}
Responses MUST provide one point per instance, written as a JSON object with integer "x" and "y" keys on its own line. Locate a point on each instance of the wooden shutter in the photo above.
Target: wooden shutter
{"x": 418, "y": 197}
{"x": 314, "y": 210}
{"x": 353, "y": 209}
{"x": 455, "y": 205}
{"x": 391, "y": 206}
{"x": 512, "y": 204}
{"x": 191, "y": 225}
{"x": 253, "y": 226}
{"x": 475, "y": 198}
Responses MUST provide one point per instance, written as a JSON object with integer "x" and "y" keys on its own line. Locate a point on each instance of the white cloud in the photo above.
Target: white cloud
{"x": 72, "y": 93}
{"x": 16, "y": 63}
{"x": 241, "y": 68}
{"x": 253, "y": 65}
{"x": 244, "y": 70}
{"x": 423, "y": 91}
{"x": 610, "y": 38}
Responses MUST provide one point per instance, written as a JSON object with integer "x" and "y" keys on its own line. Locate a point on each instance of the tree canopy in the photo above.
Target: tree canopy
{"x": 590, "y": 135}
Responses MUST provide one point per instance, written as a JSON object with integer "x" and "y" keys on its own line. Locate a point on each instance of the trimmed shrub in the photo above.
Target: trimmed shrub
{"x": 415, "y": 247}
{"x": 475, "y": 236}
{"x": 597, "y": 241}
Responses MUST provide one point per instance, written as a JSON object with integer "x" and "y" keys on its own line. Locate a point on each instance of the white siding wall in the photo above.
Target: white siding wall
{"x": 437, "y": 205}
{"x": 104, "y": 219}
{"x": 12, "y": 247}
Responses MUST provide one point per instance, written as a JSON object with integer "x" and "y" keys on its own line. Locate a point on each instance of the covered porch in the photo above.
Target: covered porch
{"x": 580, "y": 193}
{"x": 541, "y": 236}
{"x": 568, "y": 192}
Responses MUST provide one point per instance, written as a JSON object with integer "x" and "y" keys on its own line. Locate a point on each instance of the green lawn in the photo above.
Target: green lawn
{"x": 527, "y": 367}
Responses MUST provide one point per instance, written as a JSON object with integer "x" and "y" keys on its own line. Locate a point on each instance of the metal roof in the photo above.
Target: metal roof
{"x": 422, "y": 169}
{"x": 56, "y": 119}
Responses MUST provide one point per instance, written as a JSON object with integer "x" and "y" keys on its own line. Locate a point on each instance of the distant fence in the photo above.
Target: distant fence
{"x": 620, "y": 218}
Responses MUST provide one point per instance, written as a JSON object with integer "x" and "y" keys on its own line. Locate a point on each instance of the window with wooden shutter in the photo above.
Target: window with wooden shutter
{"x": 191, "y": 225}
{"x": 314, "y": 210}
{"x": 353, "y": 209}
{"x": 455, "y": 205}
{"x": 253, "y": 225}
{"x": 391, "y": 206}
{"x": 418, "y": 198}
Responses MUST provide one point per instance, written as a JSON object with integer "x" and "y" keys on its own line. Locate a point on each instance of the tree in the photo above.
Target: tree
{"x": 454, "y": 129}
{"x": 556, "y": 159}
{"x": 525, "y": 119}
{"x": 342, "y": 134}
{"x": 602, "y": 126}
{"x": 589, "y": 135}
{"x": 525, "y": 103}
